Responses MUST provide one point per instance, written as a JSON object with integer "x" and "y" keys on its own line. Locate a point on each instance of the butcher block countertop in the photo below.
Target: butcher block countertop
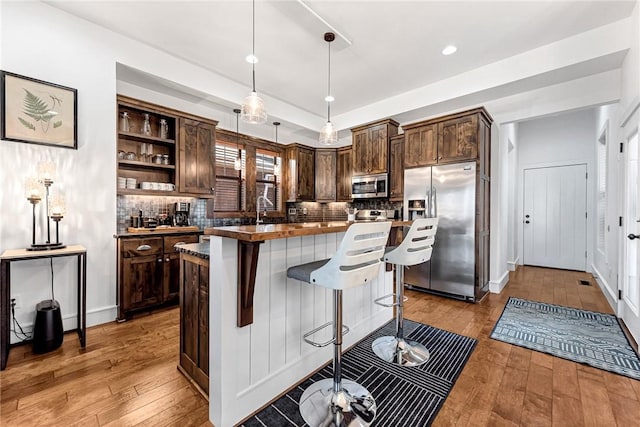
{"x": 256, "y": 233}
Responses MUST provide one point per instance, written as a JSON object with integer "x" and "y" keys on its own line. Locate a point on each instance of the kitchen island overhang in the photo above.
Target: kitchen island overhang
{"x": 253, "y": 364}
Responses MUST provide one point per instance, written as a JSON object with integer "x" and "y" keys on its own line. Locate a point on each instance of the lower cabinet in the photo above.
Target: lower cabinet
{"x": 148, "y": 272}
{"x": 194, "y": 319}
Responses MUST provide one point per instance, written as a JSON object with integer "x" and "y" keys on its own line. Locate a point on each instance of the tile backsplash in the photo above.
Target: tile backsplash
{"x": 152, "y": 206}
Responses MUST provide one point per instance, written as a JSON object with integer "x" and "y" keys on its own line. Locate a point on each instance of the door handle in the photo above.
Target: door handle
{"x": 632, "y": 236}
{"x": 527, "y": 222}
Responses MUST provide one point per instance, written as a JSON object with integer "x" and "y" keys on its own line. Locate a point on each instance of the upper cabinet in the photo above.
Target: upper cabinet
{"x": 196, "y": 157}
{"x": 449, "y": 139}
{"x": 421, "y": 146}
{"x": 325, "y": 175}
{"x": 146, "y": 148}
{"x": 344, "y": 166}
{"x": 396, "y": 169}
{"x": 371, "y": 147}
{"x": 301, "y": 173}
{"x": 162, "y": 151}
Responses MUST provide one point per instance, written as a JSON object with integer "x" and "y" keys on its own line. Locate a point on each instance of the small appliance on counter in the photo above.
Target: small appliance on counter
{"x": 181, "y": 217}
{"x": 373, "y": 214}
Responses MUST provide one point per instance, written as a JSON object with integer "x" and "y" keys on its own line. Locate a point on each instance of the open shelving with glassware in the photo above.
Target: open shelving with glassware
{"x": 146, "y": 148}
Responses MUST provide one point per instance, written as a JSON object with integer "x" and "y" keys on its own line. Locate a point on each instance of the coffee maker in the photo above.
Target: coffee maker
{"x": 181, "y": 217}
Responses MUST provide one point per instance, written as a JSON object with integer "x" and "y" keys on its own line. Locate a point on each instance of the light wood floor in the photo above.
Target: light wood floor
{"x": 127, "y": 374}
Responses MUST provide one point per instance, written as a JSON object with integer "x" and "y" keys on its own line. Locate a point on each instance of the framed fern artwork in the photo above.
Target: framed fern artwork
{"x": 38, "y": 112}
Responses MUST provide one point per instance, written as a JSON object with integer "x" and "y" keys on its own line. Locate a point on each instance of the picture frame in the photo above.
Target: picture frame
{"x": 38, "y": 112}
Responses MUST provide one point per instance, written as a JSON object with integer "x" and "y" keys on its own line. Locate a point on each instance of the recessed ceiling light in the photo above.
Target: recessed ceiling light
{"x": 329, "y": 98}
{"x": 251, "y": 59}
{"x": 449, "y": 50}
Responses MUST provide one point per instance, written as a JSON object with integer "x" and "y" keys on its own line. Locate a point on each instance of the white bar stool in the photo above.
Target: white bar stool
{"x": 415, "y": 248}
{"x": 334, "y": 401}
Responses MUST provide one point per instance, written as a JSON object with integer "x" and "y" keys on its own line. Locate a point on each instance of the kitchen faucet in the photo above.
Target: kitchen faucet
{"x": 263, "y": 197}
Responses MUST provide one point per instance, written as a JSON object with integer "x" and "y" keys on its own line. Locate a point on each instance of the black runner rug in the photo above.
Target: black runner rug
{"x": 404, "y": 396}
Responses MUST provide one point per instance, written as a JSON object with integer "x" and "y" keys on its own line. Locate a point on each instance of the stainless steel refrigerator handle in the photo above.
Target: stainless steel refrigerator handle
{"x": 433, "y": 204}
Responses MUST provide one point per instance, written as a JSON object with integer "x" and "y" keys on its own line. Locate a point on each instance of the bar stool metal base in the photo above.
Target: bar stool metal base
{"x": 353, "y": 406}
{"x": 399, "y": 351}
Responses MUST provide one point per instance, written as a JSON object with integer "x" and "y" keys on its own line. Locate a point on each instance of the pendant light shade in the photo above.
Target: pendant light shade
{"x": 253, "y": 110}
{"x": 329, "y": 134}
{"x": 237, "y": 163}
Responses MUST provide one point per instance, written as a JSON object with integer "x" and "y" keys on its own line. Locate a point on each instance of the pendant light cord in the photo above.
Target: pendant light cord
{"x": 253, "y": 45}
{"x": 329, "y": 85}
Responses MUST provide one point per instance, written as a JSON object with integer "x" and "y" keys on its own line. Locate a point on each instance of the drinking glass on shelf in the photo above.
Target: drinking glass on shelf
{"x": 146, "y": 126}
{"x": 149, "y": 152}
{"x": 143, "y": 152}
{"x": 124, "y": 122}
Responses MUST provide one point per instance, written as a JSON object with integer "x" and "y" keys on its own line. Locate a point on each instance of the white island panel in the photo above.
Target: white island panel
{"x": 252, "y": 365}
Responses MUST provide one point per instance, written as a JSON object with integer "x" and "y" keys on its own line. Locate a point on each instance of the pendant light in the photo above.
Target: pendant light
{"x": 253, "y": 110}
{"x": 329, "y": 134}
{"x": 237, "y": 163}
{"x": 276, "y": 166}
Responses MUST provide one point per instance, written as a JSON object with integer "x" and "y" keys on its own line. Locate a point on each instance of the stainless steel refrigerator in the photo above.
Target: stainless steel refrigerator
{"x": 447, "y": 192}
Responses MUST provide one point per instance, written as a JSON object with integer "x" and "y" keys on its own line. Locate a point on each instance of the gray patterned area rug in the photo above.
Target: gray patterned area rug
{"x": 409, "y": 396}
{"x": 583, "y": 336}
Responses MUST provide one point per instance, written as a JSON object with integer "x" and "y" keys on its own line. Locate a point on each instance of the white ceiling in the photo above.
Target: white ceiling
{"x": 395, "y": 45}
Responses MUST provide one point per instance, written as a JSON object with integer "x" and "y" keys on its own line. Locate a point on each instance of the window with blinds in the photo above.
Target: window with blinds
{"x": 230, "y": 183}
{"x": 268, "y": 181}
{"x": 602, "y": 191}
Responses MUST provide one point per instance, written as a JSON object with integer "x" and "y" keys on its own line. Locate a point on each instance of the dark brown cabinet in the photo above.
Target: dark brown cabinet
{"x": 344, "y": 171}
{"x": 144, "y": 153}
{"x": 194, "y": 319}
{"x": 196, "y": 157}
{"x": 421, "y": 146}
{"x": 301, "y": 173}
{"x": 370, "y": 145}
{"x": 396, "y": 169}
{"x": 458, "y": 139}
{"x": 325, "y": 175}
{"x": 449, "y": 139}
{"x": 148, "y": 272}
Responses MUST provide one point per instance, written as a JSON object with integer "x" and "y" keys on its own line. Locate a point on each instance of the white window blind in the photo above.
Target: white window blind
{"x": 268, "y": 181}
{"x": 602, "y": 192}
{"x": 230, "y": 183}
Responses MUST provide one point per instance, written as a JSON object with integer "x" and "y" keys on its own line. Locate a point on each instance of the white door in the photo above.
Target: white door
{"x": 631, "y": 239}
{"x": 555, "y": 221}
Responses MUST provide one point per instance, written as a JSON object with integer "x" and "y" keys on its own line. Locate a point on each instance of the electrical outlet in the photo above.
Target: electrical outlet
{"x": 18, "y": 300}
{"x": 304, "y": 211}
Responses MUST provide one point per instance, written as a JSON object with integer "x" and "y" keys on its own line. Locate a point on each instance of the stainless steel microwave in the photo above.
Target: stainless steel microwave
{"x": 369, "y": 186}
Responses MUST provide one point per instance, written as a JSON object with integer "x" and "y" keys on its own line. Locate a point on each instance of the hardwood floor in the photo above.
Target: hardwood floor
{"x": 506, "y": 385}
{"x": 127, "y": 374}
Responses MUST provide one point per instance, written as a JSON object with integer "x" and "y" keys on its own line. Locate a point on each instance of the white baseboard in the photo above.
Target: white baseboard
{"x": 96, "y": 316}
{"x": 512, "y": 265}
{"x": 609, "y": 293}
{"x": 496, "y": 286}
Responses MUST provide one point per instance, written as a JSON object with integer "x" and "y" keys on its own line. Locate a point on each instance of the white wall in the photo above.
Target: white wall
{"x": 559, "y": 140}
{"x": 51, "y": 50}
{"x": 509, "y": 134}
{"x": 605, "y": 262}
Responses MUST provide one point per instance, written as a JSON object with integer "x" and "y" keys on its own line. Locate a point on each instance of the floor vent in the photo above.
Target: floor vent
{"x": 584, "y": 282}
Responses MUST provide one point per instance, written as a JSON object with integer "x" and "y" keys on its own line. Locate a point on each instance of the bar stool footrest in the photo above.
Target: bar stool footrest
{"x": 383, "y": 304}
{"x": 345, "y": 330}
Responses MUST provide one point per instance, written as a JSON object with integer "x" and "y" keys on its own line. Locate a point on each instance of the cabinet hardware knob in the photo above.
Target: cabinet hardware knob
{"x": 166, "y": 259}
{"x": 159, "y": 259}
{"x": 143, "y": 248}
{"x": 179, "y": 243}
{"x": 440, "y": 158}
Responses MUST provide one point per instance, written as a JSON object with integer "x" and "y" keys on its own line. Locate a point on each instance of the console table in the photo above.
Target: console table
{"x": 13, "y": 255}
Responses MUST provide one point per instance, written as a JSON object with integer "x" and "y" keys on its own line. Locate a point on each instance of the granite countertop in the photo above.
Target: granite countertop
{"x": 200, "y": 250}
{"x": 254, "y": 233}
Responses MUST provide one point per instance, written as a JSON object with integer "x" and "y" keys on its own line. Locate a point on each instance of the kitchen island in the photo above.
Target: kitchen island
{"x": 257, "y": 315}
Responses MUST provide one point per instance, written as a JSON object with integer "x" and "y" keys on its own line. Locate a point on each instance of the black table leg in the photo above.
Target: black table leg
{"x": 5, "y": 315}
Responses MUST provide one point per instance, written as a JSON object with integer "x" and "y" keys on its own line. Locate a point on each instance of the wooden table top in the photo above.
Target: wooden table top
{"x": 15, "y": 254}
{"x": 254, "y": 233}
